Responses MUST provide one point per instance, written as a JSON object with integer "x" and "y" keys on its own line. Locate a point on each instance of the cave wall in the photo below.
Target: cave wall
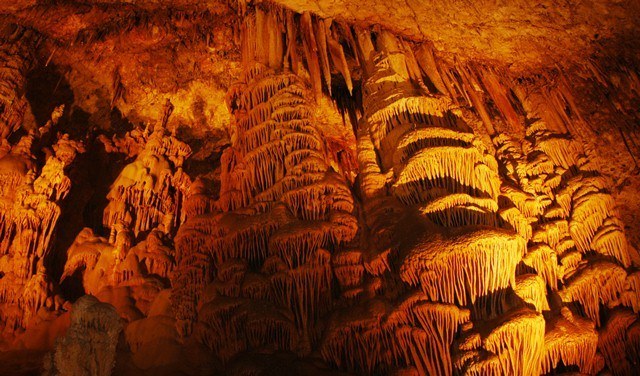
{"x": 258, "y": 188}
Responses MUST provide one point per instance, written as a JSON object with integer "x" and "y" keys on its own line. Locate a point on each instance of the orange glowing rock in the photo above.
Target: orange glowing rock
{"x": 147, "y": 191}
{"x": 571, "y": 340}
{"x": 282, "y": 206}
{"x": 468, "y": 260}
{"x": 454, "y": 221}
{"x": 613, "y": 341}
{"x": 29, "y": 213}
{"x": 17, "y": 47}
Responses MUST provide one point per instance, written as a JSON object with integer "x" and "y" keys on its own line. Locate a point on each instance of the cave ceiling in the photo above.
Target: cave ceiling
{"x": 138, "y": 41}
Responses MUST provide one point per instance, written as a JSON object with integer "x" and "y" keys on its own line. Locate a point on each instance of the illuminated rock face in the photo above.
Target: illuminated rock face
{"x": 16, "y": 54}
{"x": 130, "y": 268}
{"x": 148, "y": 191}
{"x": 30, "y": 211}
{"x": 456, "y": 220}
{"x": 282, "y": 212}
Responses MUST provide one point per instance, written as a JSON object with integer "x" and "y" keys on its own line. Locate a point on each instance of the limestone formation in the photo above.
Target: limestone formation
{"x": 17, "y": 50}
{"x": 89, "y": 346}
{"x": 296, "y": 187}
{"x": 30, "y": 210}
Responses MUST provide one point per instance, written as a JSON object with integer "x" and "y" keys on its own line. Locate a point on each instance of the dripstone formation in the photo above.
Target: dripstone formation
{"x": 244, "y": 189}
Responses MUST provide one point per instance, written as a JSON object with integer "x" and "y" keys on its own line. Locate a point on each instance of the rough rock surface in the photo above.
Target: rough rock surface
{"x": 89, "y": 346}
{"x": 319, "y": 187}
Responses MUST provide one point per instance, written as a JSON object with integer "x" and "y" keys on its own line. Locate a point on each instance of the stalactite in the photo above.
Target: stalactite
{"x": 594, "y": 283}
{"x": 631, "y": 296}
{"x": 579, "y": 219}
{"x": 514, "y": 345}
{"x": 349, "y": 269}
{"x": 358, "y": 339}
{"x": 17, "y": 53}
{"x": 531, "y": 289}
{"x": 473, "y": 263}
{"x": 428, "y": 65}
{"x": 544, "y": 261}
{"x": 148, "y": 192}
{"x": 430, "y": 345}
{"x": 594, "y": 224}
{"x": 612, "y": 342}
{"x": 571, "y": 340}
{"x": 498, "y": 93}
{"x": 229, "y": 326}
{"x": 463, "y": 241}
{"x": 29, "y": 214}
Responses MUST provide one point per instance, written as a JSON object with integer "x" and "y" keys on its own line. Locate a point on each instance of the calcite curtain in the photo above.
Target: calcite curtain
{"x": 374, "y": 209}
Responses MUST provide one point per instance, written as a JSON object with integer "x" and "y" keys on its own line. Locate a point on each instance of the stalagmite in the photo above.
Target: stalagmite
{"x": 439, "y": 166}
{"x": 318, "y": 188}
{"x": 282, "y": 208}
{"x": 130, "y": 267}
{"x": 89, "y": 346}
{"x": 29, "y": 214}
{"x": 148, "y": 191}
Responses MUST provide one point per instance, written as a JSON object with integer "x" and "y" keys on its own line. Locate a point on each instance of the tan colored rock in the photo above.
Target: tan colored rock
{"x": 89, "y": 346}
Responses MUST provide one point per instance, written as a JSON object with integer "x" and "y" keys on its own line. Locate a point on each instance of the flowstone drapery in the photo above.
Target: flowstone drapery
{"x": 29, "y": 213}
{"x": 259, "y": 190}
{"x": 17, "y": 56}
{"x": 282, "y": 212}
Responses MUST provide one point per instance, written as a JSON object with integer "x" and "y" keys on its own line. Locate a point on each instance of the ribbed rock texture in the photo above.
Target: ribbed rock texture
{"x": 318, "y": 188}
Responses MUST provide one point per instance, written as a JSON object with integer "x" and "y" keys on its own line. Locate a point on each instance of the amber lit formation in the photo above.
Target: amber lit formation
{"x": 327, "y": 197}
{"x": 30, "y": 210}
{"x": 282, "y": 212}
{"x": 16, "y": 53}
{"x": 144, "y": 198}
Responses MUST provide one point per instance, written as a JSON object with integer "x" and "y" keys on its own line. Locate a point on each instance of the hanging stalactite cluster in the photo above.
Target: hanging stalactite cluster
{"x": 461, "y": 229}
{"x": 17, "y": 54}
{"x": 283, "y": 209}
{"x": 29, "y": 212}
{"x": 420, "y": 162}
{"x": 138, "y": 258}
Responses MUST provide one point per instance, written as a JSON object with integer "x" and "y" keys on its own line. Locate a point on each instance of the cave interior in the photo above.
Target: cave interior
{"x": 297, "y": 187}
